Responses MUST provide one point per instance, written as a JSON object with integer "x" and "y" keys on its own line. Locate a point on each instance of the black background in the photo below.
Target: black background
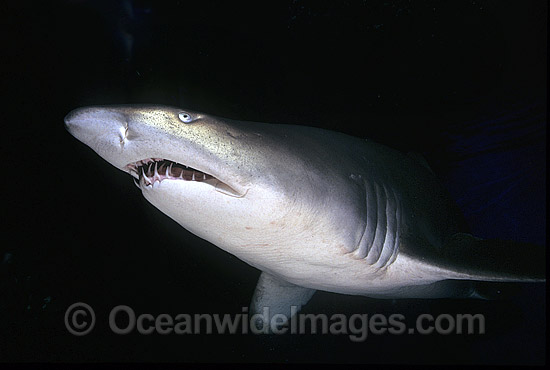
{"x": 442, "y": 79}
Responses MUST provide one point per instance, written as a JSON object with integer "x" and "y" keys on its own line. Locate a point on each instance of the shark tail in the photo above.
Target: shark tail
{"x": 496, "y": 260}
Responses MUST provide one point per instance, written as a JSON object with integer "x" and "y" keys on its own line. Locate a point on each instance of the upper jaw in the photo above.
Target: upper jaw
{"x": 159, "y": 169}
{"x": 149, "y": 171}
{"x": 134, "y": 168}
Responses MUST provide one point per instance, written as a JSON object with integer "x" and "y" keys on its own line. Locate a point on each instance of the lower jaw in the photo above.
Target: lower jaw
{"x": 216, "y": 184}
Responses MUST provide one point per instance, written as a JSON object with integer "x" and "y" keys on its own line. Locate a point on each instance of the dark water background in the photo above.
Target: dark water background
{"x": 462, "y": 82}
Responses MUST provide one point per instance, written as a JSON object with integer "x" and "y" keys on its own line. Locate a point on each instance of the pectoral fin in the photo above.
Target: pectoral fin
{"x": 275, "y": 296}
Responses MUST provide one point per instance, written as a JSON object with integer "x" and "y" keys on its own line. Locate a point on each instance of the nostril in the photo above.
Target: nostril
{"x": 123, "y": 134}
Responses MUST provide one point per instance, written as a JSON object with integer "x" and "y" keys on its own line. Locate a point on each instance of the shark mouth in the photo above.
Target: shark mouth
{"x": 151, "y": 170}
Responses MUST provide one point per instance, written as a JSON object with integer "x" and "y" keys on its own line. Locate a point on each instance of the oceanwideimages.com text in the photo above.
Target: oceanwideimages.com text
{"x": 80, "y": 320}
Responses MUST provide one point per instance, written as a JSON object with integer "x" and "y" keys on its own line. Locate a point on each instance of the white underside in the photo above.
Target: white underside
{"x": 292, "y": 248}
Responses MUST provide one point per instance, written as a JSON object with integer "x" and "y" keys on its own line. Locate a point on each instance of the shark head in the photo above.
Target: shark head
{"x": 156, "y": 144}
{"x": 249, "y": 188}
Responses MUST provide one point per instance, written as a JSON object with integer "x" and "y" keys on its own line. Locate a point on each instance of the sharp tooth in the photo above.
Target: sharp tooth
{"x": 156, "y": 176}
{"x": 203, "y": 176}
{"x": 193, "y": 176}
{"x": 136, "y": 183}
{"x": 145, "y": 178}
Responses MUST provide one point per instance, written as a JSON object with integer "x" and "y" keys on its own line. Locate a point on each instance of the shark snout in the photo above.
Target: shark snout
{"x": 67, "y": 121}
{"x": 94, "y": 118}
{"x": 71, "y": 119}
{"x": 103, "y": 129}
{"x": 77, "y": 116}
{"x": 89, "y": 124}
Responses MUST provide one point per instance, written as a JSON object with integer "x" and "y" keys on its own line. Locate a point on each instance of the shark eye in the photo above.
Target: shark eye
{"x": 185, "y": 117}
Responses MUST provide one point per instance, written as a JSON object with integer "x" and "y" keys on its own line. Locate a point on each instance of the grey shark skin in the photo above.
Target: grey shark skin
{"x": 312, "y": 209}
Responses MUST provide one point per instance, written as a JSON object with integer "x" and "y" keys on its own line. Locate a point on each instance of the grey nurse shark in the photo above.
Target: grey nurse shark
{"x": 312, "y": 209}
